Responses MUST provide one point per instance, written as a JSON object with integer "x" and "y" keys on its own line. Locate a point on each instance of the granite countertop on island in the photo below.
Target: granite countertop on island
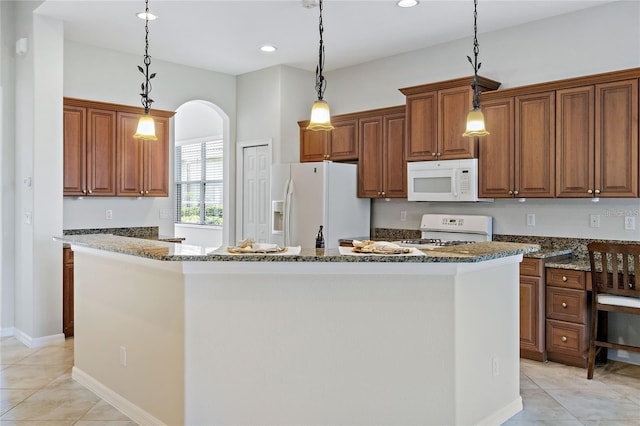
{"x": 166, "y": 251}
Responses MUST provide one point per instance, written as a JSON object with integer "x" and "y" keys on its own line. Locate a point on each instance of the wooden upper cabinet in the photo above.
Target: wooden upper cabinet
{"x": 143, "y": 165}
{"x": 343, "y": 140}
{"x": 422, "y": 132}
{"x": 75, "y": 148}
{"x": 370, "y": 178}
{"x": 101, "y": 158}
{"x": 382, "y": 168}
{"x": 89, "y": 151}
{"x": 313, "y": 144}
{"x": 394, "y": 165}
{"x": 517, "y": 157}
{"x": 339, "y": 144}
{"x": 597, "y": 140}
{"x": 575, "y": 165}
{"x": 455, "y": 104}
{"x": 616, "y": 139}
{"x": 496, "y": 151}
{"x": 436, "y": 116}
{"x": 535, "y": 145}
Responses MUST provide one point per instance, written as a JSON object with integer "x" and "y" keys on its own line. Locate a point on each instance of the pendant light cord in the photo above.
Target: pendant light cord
{"x": 321, "y": 83}
{"x": 476, "y": 51}
{"x": 146, "y": 86}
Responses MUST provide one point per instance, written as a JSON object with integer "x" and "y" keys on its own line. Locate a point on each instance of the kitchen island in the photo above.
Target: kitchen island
{"x": 178, "y": 334}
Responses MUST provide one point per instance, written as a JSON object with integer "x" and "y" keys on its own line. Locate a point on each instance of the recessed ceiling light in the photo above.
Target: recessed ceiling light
{"x": 407, "y": 3}
{"x": 267, "y": 48}
{"x": 146, "y": 15}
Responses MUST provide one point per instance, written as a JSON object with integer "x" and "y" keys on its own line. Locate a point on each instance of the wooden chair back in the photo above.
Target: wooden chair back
{"x": 613, "y": 268}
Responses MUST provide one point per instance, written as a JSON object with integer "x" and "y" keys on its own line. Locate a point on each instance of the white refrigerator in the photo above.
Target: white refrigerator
{"x": 307, "y": 195}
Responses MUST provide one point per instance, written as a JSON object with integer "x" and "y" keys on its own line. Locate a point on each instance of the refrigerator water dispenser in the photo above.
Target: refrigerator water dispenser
{"x": 277, "y": 226}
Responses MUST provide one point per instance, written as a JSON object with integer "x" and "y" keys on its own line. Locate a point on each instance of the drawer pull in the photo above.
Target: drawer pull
{"x": 564, "y": 304}
{"x": 564, "y": 338}
{"x": 564, "y": 278}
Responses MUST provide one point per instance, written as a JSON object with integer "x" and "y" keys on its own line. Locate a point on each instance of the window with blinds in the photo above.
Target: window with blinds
{"x": 198, "y": 177}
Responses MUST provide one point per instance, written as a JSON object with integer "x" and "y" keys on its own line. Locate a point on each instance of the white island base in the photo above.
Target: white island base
{"x": 293, "y": 343}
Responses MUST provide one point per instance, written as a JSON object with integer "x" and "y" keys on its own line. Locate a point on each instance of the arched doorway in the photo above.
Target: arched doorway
{"x": 203, "y": 204}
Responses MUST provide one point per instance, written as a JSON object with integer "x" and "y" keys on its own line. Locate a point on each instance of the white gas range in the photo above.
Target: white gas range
{"x": 440, "y": 230}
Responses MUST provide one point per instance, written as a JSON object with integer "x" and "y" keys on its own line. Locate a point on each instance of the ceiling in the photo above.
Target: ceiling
{"x": 225, "y": 36}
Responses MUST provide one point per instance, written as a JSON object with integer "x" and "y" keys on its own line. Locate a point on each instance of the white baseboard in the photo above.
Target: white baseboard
{"x": 503, "y": 414}
{"x": 131, "y": 410}
{"x": 37, "y": 342}
{"x": 6, "y": 332}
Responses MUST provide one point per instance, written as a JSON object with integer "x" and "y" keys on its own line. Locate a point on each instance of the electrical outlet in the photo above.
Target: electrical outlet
{"x": 594, "y": 221}
{"x": 403, "y": 216}
{"x": 108, "y": 214}
{"x": 629, "y": 223}
{"x": 495, "y": 367}
{"x": 123, "y": 356}
{"x": 531, "y": 219}
{"x": 27, "y": 218}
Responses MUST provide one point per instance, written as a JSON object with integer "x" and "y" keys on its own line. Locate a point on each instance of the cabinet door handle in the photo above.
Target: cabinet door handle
{"x": 590, "y": 191}
{"x": 564, "y": 338}
{"x": 564, "y": 305}
{"x": 141, "y": 192}
{"x": 510, "y": 192}
{"x": 516, "y": 192}
{"x": 84, "y": 191}
{"x": 90, "y": 192}
{"x": 146, "y": 192}
{"x": 383, "y": 193}
{"x": 597, "y": 191}
{"x": 564, "y": 278}
{"x": 433, "y": 154}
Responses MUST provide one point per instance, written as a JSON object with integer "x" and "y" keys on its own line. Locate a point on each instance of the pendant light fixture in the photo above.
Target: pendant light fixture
{"x": 146, "y": 126}
{"x": 320, "y": 115}
{"x": 475, "y": 118}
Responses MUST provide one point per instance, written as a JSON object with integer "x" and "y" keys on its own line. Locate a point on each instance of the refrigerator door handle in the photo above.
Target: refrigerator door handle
{"x": 288, "y": 195}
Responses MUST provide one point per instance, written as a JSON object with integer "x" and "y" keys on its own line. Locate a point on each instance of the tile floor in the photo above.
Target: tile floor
{"x": 36, "y": 389}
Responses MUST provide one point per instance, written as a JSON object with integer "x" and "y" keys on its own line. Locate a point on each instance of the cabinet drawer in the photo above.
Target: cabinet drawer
{"x": 566, "y": 337}
{"x": 567, "y": 305}
{"x": 566, "y": 278}
{"x": 531, "y": 267}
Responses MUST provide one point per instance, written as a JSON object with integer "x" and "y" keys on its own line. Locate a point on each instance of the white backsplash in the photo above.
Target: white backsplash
{"x": 553, "y": 217}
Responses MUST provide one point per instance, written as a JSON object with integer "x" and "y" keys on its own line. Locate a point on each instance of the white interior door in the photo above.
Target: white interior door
{"x": 255, "y": 193}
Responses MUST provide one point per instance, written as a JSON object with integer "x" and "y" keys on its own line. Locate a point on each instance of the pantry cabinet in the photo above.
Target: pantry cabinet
{"x": 339, "y": 144}
{"x": 436, "y": 116}
{"x": 143, "y": 165}
{"x": 597, "y": 140}
{"x": 89, "y": 151}
{"x": 517, "y": 158}
{"x": 382, "y": 169}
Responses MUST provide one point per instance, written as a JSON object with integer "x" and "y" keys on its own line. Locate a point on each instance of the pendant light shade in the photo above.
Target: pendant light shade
{"x": 475, "y": 118}
{"x": 320, "y": 115}
{"x": 146, "y": 126}
{"x": 475, "y": 124}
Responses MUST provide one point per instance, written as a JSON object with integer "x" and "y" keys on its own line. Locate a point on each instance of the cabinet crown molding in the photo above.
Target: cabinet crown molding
{"x": 115, "y": 107}
{"x": 484, "y": 84}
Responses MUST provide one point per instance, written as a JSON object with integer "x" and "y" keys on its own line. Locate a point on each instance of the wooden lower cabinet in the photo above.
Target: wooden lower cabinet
{"x": 532, "y": 342}
{"x": 67, "y": 291}
{"x": 567, "y": 324}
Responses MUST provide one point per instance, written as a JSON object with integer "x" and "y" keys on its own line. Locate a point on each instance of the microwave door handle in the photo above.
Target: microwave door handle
{"x": 454, "y": 183}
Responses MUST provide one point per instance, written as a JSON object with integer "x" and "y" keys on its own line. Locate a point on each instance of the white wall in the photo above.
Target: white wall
{"x": 111, "y": 76}
{"x": 590, "y": 41}
{"x": 7, "y": 157}
{"x": 270, "y": 103}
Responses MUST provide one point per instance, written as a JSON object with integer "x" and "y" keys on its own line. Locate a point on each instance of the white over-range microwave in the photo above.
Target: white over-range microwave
{"x": 447, "y": 180}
